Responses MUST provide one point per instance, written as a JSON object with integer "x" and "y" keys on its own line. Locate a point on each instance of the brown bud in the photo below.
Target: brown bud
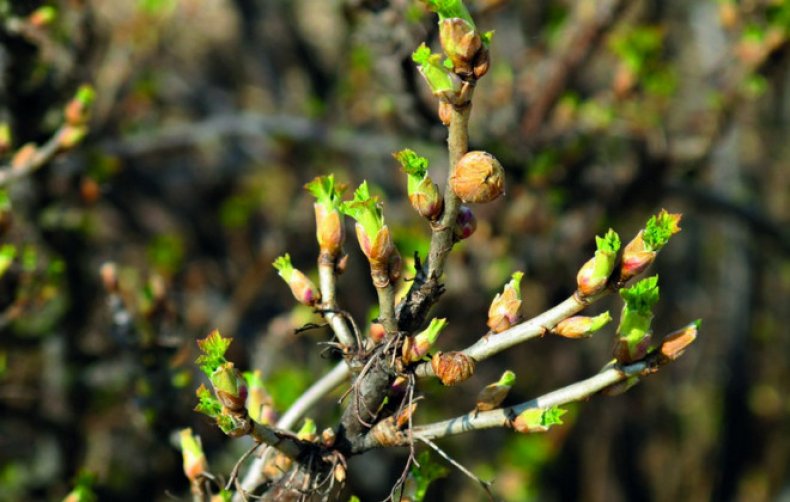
{"x": 377, "y": 332}
{"x": 339, "y": 473}
{"x": 478, "y": 177}
{"x": 452, "y": 368}
{"x": 636, "y": 258}
{"x": 465, "y": 223}
{"x": 330, "y": 230}
{"x": 627, "y": 353}
{"x": 109, "y": 277}
{"x": 445, "y": 112}
{"x": 386, "y": 432}
{"x": 482, "y": 62}
{"x": 23, "y": 156}
{"x": 674, "y": 344}
{"x": 328, "y": 437}
{"x": 460, "y": 42}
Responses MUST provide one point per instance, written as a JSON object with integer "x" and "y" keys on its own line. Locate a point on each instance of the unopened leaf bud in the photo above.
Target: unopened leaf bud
{"x": 77, "y": 110}
{"x": 5, "y": 137}
{"x": 465, "y": 223}
{"x": 444, "y": 84}
{"x": 194, "y": 460}
{"x": 330, "y": 231}
{"x": 538, "y": 419}
{"x": 303, "y": 289}
{"x": 674, "y": 344}
{"x": 416, "y": 347}
{"x": 633, "y": 332}
{"x": 452, "y": 368}
{"x": 461, "y": 42}
{"x": 505, "y": 309}
{"x": 109, "y": 277}
{"x": 24, "y": 156}
{"x": 339, "y": 473}
{"x": 386, "y": 432}
{"x": 260, "y": 405}
{"x": 594, "y": 274}
{"x": 71, "y": 136}
{"x": 481, "y": 63}
{"x": 641, "y": 252}
{"x": 308, "y": 432}
{"x": 493, "y": 394}
{"x": 377, "y": 332}
{"x": 423, "y": 193}
{"x": 328, "y": 437}
{"x": 230, "y": 387}
{"x": 581, "y": 326}
{"x": 478, "y": 177}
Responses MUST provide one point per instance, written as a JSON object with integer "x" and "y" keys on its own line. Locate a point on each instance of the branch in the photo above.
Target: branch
{"x": 426, "y": 287}
{"x": 571, "y": 393}
{"x": 327, "y": 281}
{"x": 493, "y": 344}
{"x": 44, "y": 154}
{"x": 298, "y": 409}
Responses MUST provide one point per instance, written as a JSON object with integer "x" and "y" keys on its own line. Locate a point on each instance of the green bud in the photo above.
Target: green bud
{"x": 450, "y": 8}
{"x": 581, "y": 326}
{"x": 418, "y": 346}
{"x": 308, "y": 430}
{"x": 635, "y": 319}
{"x": 213, "y": 347}
{"x": 194, "y": 460}
{"x": 443, "y": 82}
{"x": 303, "y": 289}
{"x": 593, "y": 276}
{"x": 538, "y": 419}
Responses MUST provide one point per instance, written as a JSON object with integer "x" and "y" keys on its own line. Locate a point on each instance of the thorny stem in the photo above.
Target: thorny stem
{"x": 492, "y": 344}
{"x": 43, "y": 155}
{"x": 326, "y": 279}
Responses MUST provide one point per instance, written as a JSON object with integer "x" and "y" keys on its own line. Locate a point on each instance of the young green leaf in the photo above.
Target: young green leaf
{"x": 213, "y": 347}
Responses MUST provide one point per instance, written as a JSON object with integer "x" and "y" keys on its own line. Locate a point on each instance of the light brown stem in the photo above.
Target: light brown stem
{"x": 327, "y": 281}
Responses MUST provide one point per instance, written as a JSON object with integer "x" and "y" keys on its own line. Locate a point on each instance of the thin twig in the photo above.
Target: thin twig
{"x": 44, "y": 154}
{"x": 326, "y": 277}
{"x": 485, "y": 484}
{"x": 492, "y": 344}
{"x": 298, "y": 409}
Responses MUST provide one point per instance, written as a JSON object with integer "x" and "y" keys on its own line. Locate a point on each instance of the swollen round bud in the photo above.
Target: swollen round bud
{"x": 478, "y": 177}
{"x": 482, "y": 62}
{"x": 460, "y": 41}
{"x": 452, "y": 368}
{"x": 465, "y": 223}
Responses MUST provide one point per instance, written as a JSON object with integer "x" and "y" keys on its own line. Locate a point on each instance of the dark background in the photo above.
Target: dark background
{"x": 212, "y": 114}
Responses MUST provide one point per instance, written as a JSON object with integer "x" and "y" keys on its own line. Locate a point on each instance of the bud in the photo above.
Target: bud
{"x": 70, "y": 136}
{"x": 43, "y": 16}
{"x": 229, "y": 386}
{"x": 192, "y": 452}
{"x": 478, "y": 177}
{"x": 642, "y": 250}
{"x": 445, "y": 112}
{"x": 452, "y": 368}
{"x": 482, "y": 61}
{"x": 328, "y": 437}
{"x": 398, "y": 385}
{"x": 373, "y": 235}
{"x": 303, "y": 289}
{"x": 330, "y": 231}
{"x": 260, "y": 405}
{"x": 634, "y": 333}
{"x": 7, "y": 254}
{"x": 24, "y": 156}
{"x": 76, "y": 112}
{"x": 581, "y": 326}
{"x": 339, "y": 473}
{"x": 416, "y": 347}
{"x": 465, "y": 223}
{"x": 423, "y": 193}
{"x": 308, "y": 432}
{"x": 594, "y": 274}
{"x": 5, "y": 137}
{"x": 460, "y": 42}
{"x": 674, "y": 344}
{"x": 109, "y": 277}
{"x": 493, "y": 394}
{"x": 444, "y": 84}
{"x": 386, "y": 432}
{"x": 504, "y": 311}
{"x": 538, "y": 419}
{"x": 403, "y": 418}
{"x": 377, "y": 332}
